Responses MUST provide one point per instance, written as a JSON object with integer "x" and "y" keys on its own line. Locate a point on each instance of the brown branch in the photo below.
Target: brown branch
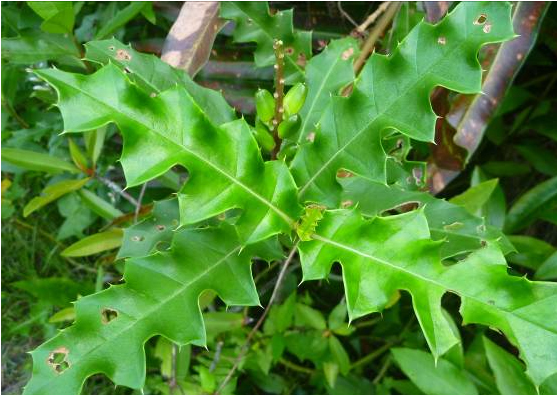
{"x": 374, "y": 35}
{"x": 256, "y": 327}
{"x": 372, "y": 17}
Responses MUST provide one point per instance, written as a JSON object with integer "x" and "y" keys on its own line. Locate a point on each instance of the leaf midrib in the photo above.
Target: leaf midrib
{"x": 281, "y": 213}
{"x": 425, "y": 279}
{"x": 368, "y": 124}
{"x": 182, "y": 288}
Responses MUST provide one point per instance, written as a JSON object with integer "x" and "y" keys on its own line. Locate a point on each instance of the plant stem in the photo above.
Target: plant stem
{"x": 116, "y": 188}
{"x": 254, "y": 330}
{"x": 295, "y": 367}
{"x": 372, "y": 356}
{"x": 372, "y": 17}
{"x": 374, "y": 34}
{"x": 138, "y": 204}
{"x": 279, "y": 95}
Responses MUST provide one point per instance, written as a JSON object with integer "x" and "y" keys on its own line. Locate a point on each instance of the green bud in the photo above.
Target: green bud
{"x": 264, "y": 138}
{"x": 295, "y": 98}
{"x": 265, "y": 105}
{"x": 289, "y": 126}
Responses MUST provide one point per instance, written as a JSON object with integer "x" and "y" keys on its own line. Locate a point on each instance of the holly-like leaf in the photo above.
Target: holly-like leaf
{"x": 393, "y": 92}
{"x": 325, "y": 75}
{"x": 155, "y": 76}
{"x": 460, "y": 230}
{"x": 385, "y": 254}
{"x": 159, "y": 297}
{"x": 225, "y": 167}
{"x": 254, "y": 23}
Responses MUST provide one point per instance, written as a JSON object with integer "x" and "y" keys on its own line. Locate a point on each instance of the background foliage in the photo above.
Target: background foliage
{"x": 65, "y": 213}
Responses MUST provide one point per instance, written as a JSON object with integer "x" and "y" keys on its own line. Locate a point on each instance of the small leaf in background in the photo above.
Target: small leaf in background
{"x": 66, "y": 314}
{"x": 337, "y": 320}
{"x": 475, "y": 197}
{"x": 163, "y": 351}
{"x": 339, "y": 354}
{"x": 34, "y": 46}
{"x": 98, "y": 205}
{"x": 53, "y": 192}
{"x": 121, "y": 18}
{"x": 31, "y": 160}
{"x": 526, "y": 208}
{"x": 57, "y": 291}
{"x": 95, "y": 244}
{"x": 58, "y": 15}
{"x": 441, "y": 378}
{"x": 540, "y": 158}
{"x": 531, "y": 252}
{"x": 217, "y": 322}
{"x": 94, "y": 142}
{"x": 331, "y": 371}
{"x": 306, "y": 316}
{"x": 77, "y": 216}
{"x": 548, "y": 269}
{"x": 208, "y": 380}
{"x": 78, "y": 156}
{"x": 509, "y": 372}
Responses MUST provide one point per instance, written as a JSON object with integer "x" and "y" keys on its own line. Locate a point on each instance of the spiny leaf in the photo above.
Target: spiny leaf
{"x": 155, "y": 76}
{"x": 393, "y": 92}
{"x": 225, "y": 167}
{"x": 325, "y": 75}
{"x": 254, "y": 23}
{"x": 159, "y": 297}
{"x": 461, "y": 231}
{"x": 383, "y": 255}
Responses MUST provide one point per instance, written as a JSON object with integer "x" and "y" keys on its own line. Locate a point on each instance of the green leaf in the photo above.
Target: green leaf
{"x": 461, "y": 231}
{"x": 433, "y": 377}
{"x": 94, "y": 142}
{"x": 121, "y": 18}
{"x": 53, "y": 192}
{"x": 383, "y": 255}
{"x": 548, "y": 269}
{"x": 509, "y": 372}
{"x": 306, "y": 316}
{"x": 393, "y": 92}
{"x": 163, "y": 131}
{"x": 57, "y": 291}
{"x": 254, "y": 23}
{"x": 35, "y": 46}
{"x": 530, "y": 252}
{"x": 541, "y": 159}
{"x": 78, "y": 157}
{"x": 155, "y": 76}
{"x": 339, "y": 355}
{"x": 31, "y": 160}
{"x": 95, "y": 244}
{"x": 58, "y": 16}
{"x": 118, "y": 321}
{"x": 474, "y": 198}
{"x": 67, "y": 314}
{"x": 99, "y": 206}
{"x": 325, "y": 75}
{"x": 156, "y": 230}
{"x": 526, "y": 208}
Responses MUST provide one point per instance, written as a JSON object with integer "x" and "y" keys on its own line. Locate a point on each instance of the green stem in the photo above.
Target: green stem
{"x": 295, "y": 367}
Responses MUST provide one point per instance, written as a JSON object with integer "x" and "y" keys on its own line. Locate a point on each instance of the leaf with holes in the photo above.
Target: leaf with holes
{"x": 382, "y": 255}
{"x": 225, "y": 167}
{"x": 254, "y": 23}
{"x": 159, "y": 297}
{"x": 392, "y": 92}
